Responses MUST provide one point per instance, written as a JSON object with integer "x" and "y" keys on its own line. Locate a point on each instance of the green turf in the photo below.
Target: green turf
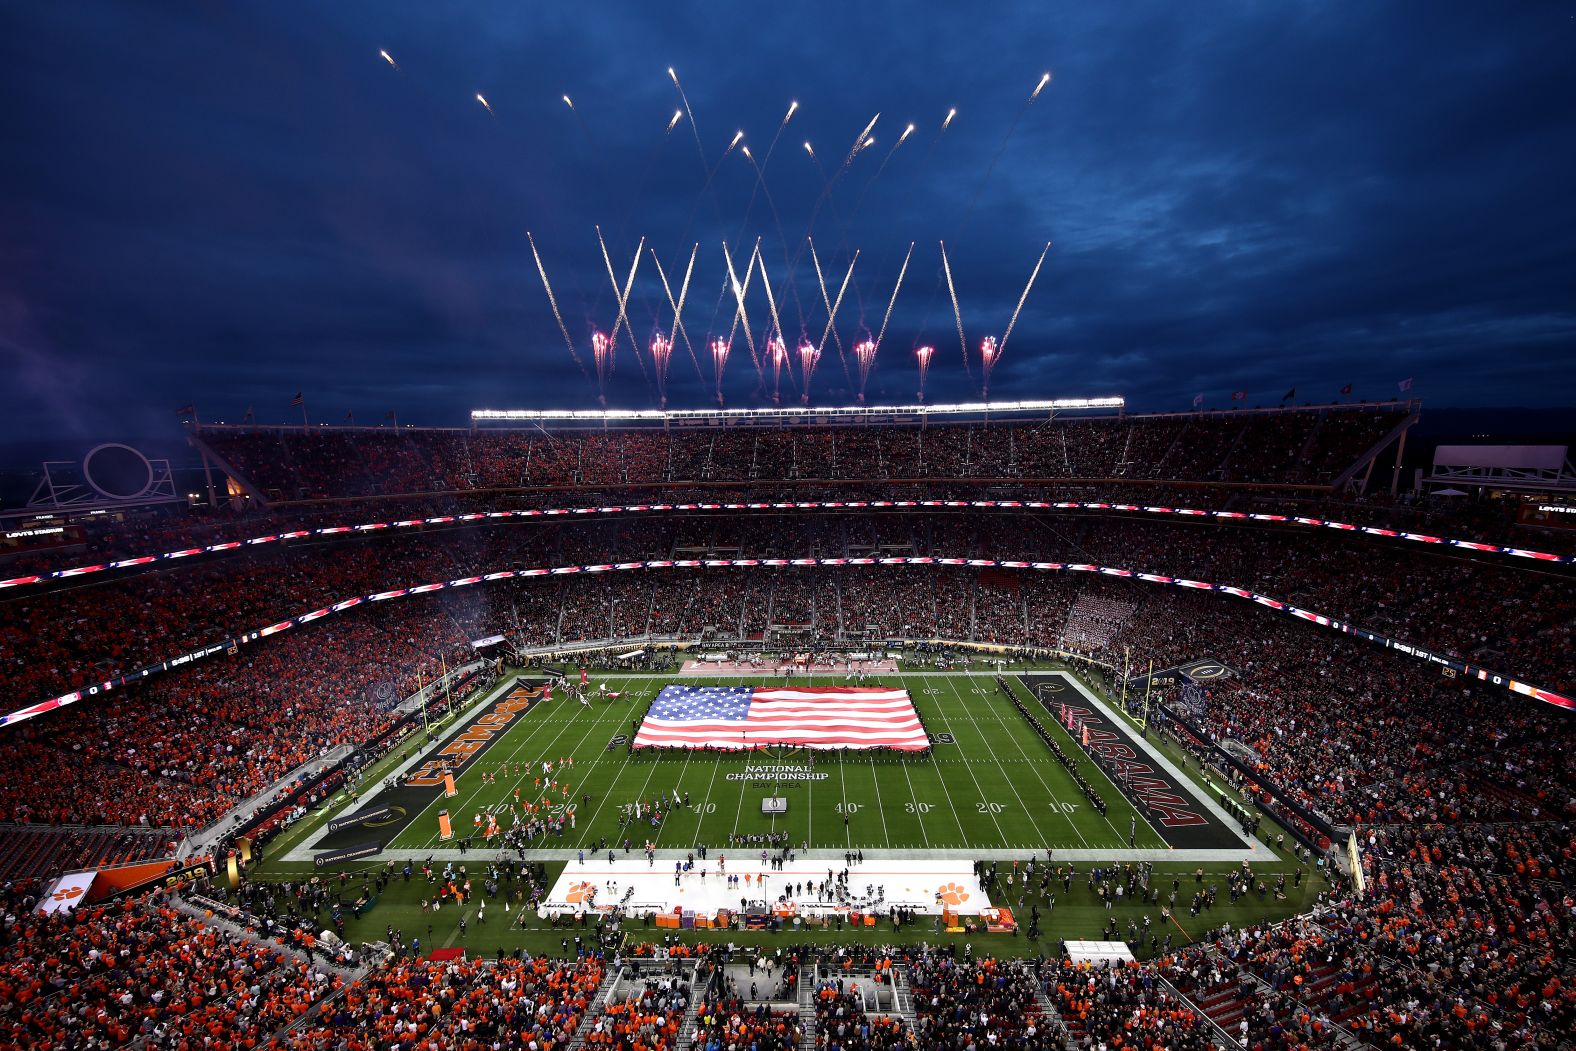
{"x": 985, "y": 727}
{"x": 996, "y": 787}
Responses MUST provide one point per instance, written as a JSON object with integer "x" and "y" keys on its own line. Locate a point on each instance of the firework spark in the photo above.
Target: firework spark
{"x": 893, "y": 301}
{"x": 956, "y": 311}
{"x": 622, "y": 296}
{"x": 551, "y": 299}
{"x": 388, "y": 58}
{"x": 1046, "y": 79}
{"x": 673, "y": 122}
{"x": 953, "y": 112}
{"x": 923, "y": 355}
{"x": 739, "y": 293}
{"x": 831, "y": 314}
{"x": 777, "y": 351}
{"x": 678, "y": 305}
{"x": 809, "y": 357}
{"x": 602, "y": 354}
{"x": 485, "y": 104}
{"x": 1008, "y": 334}
{"x": 720, "y": 349}
{"x": 661, "y": 354}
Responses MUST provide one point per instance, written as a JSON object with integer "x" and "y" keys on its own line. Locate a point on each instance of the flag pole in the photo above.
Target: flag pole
{"x": 1127, "y": 672}
{"x": 1148, "y": 685}
{"x": 421, "y": 691}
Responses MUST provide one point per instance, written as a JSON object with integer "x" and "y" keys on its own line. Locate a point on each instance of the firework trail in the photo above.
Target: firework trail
{"x": 1002, "y": 149}
{"x": 858, "y": 204}
{"x": 923, "y": 356}
{"x": 760, "y": 184}
{"x": 826, "y": 300}
{"x": 989, "y": 352}
{"x": 585, "y": 129}
{"x": 777, "y": 351}
{"x": 485, "y": 104}
{"x": 809, "y": 357}
{"x": 739, "y": 292}
{"x": 558, "y": 317}
{"x": 831, "y": 317}
{"x": 893, "y": 301}
{"x": 623, "y": 297}
{"x": 678, "y": 305}
{"x": 956, "y": 312}
{"x": 602, "y": 354}
{"x": 699, "y": 149}
{"x": 771, "y": 301}
{"x": 677, "y": 114}
{"x": 661, "y": 352}
{"x": 388, "y": 58}
{"x": 1008, "y": 334}
{"x": 719, "y": 355}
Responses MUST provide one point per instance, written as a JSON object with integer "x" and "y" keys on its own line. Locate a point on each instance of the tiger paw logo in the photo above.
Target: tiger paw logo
{"x": 65, "y": 894}
{"x": 952, "y": 894}
{"x": 580, "y": 892}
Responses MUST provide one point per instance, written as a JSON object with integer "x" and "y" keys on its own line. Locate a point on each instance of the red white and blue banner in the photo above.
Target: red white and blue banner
{"x": 742, "y": 718}
{"x": 789, "y": 505}
{"x": 229, "y": 645}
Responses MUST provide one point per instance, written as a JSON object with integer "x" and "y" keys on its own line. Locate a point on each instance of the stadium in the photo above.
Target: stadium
{"x": 645, "y": 680}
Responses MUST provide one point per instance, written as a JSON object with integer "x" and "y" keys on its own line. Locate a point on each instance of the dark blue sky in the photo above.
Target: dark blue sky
{"x": 224, "y": 204}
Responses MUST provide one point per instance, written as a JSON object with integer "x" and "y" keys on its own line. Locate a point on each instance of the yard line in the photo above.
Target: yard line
{"x": 970, "y": 768}
{"x": 1011, "y": 783}
{"x": 922, "y": 830}
{"x": 1035, "y": 766}
{"x": 477, "y": 791}
{"x": 842, "y": 779}
{"x": 941, "y": 777}
{"x": 881, "y": 808}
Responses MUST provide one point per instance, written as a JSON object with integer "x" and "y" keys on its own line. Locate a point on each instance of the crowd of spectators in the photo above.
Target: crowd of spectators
{"x": 111, "y": 975}
{"x": 1296, "y": 447}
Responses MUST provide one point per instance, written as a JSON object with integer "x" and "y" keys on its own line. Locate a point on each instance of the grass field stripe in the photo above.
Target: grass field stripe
{"x": 875, "y": 779}
{"x": 1048, "y": 791}
{"x": 923, "y": 831}
{"x": 568, "y": 721}
{"x": 941, "y": 779}
{"x": 995, "y": 755}
{"x": 1006, "y": 842}
{"x": 475, "y": 791}
{"x": 617, "y": 776}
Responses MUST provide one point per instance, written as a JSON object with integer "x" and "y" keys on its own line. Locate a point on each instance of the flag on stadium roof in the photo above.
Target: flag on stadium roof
{"x": 745, "y": 717}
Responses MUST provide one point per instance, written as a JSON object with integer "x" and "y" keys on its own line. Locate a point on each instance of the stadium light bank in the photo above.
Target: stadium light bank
{"x": 790, "y": 413}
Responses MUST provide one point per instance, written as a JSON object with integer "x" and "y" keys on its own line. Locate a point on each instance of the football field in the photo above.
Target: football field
{"x": 988, "y": 783}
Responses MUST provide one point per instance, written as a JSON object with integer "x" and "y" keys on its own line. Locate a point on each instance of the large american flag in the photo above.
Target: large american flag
{"x": 741, "y": 717}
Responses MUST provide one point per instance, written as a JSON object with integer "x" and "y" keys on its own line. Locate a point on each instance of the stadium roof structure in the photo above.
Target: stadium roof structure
{"x": 799, "y": 413}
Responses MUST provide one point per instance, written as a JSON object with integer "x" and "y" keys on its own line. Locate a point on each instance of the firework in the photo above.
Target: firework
{"x": 953, "y": 112}
{"x": 719, "y": 356}
{"x": 551, "y": 299}
{"x": 890, "y": 304}
{"x": 826, "y": 301}
{"x": 922, "y": 355}
{"x": 485, "y": 104}
{"x": 387, "y": 58}
{"x": 809, "y": 356}
{"x": 777, "y": 352}
{"x": 661, "y": 353}
{"x": 831, "y": 316}
{"x": 678, "y": 305}
{"x": 809, "y": 149}
{"x": 865, "y": 355}
{"x": 622, "y": 296}
{"x": 674, "y": 120}
{"x": 956, "y": 312}
{"x": 739, "y": 292}
{"x": 1044, "y": 80}
{"x": 1036, "y": 273}
{"x": 602, "y": 355}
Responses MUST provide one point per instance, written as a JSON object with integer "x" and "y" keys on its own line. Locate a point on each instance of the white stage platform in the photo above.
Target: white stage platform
{"x": 914, "y": 884}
